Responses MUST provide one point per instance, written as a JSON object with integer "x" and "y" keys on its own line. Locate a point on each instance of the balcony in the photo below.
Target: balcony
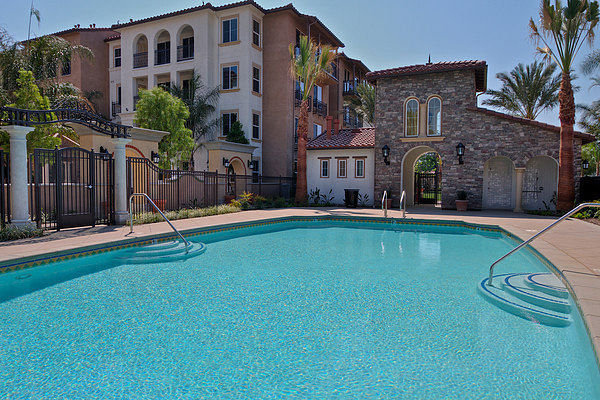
{"x": 298, "y": 99}
{"x": 349, "y": 88}
{"x": 140, "y": 60}
{"x": 135, "y": 100}
{"x": 115, "y": 108}
{"x": 351, "y": 120}
{"x": 162, "y": 56}
{"x": 319, "y": 108}
{"x": 185, "y": 53}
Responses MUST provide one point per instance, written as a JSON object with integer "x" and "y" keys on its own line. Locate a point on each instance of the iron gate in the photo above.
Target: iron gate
{"x": 427, "y": 188}
{"x": 72, "y": 187}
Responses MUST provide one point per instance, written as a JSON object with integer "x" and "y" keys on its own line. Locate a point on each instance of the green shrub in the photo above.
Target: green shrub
{"x": 185, "y": 213}
{"x": 13, "y": 232}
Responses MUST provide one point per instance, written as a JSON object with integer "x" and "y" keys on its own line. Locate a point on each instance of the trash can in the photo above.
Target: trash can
{"x": 351, "y": 199}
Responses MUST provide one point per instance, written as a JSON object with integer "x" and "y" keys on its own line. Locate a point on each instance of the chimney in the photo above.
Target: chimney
{"x": 336, "y": 126}
{"x": 329, "y": 126}
{"x": 94, "y": 25}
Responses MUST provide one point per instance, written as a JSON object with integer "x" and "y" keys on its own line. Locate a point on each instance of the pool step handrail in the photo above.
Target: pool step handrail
{"x": 187, "y": 244}
{"x": 384, "y": 203}
{"x": 540, "y": 233}
{"x": 403, "y": 204}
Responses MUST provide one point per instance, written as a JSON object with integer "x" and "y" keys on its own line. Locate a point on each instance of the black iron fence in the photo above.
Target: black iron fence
{"x": 71, "y": 187}
{"x": 4, "y": 188}
{"x": 589, "y": 188}
{"x": 177, "y": 189}
{"x": 140, "y": 60}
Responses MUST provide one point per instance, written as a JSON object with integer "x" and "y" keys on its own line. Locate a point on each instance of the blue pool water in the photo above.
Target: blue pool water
{"x": 318, "y": 311}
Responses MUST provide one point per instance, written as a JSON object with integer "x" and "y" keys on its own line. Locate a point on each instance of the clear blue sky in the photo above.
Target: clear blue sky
{"x": 383, "y": 33}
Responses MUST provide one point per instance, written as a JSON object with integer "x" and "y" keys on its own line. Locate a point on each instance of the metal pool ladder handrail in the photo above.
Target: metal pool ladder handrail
{"x": 403, "y": 204}
{"x": 384, "y": 203}
{"x": 187, "y": 244}
{"x": 546, "y": 229}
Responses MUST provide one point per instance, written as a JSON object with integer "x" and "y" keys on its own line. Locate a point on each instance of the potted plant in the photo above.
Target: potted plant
{"x": 461, "y": 201}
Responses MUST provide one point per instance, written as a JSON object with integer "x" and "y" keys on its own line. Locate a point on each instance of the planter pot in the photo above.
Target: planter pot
{"x": 461, "y": 205}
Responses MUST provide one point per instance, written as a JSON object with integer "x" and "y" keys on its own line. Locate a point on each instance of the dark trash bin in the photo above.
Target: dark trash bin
{"x": 351, "y": 199}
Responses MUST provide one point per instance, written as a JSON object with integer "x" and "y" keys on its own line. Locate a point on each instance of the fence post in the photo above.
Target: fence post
{"x": 121, "y": 213}
{"x": 279, "y": 185}
{"x": 18, "y": 171}
{"x": 260, "y": 185}
{"x": 93, "y": 186}
{"x": 217, "y": 187}
{"x": 3, "y": 212}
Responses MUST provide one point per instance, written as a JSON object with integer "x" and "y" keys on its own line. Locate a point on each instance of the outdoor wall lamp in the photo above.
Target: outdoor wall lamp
{"x": 155, "y": 157}
{"x": 225, "y": 162}
{"x": 385, "y": 152}
{"x": 460, "y": 152}
{"x": 585, "y": 164}
{"x": 103, "y": 150}
{"x": 253, "y": 165}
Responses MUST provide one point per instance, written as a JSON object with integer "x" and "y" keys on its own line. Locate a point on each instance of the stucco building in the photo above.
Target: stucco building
{"x": 508, "y": 162}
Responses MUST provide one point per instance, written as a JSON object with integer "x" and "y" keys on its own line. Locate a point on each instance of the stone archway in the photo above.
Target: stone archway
{"x": 540, "y": 182}
{"x": 499, "y": 184}
{"x": 408, "y": 170}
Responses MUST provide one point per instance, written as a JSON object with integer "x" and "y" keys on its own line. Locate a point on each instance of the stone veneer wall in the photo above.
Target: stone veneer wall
{"x": 484, "y": 136}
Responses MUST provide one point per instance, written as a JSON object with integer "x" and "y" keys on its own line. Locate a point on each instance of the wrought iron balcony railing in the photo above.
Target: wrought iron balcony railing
{"x": 298, "y": 99}
{"x": 115, "y": 108}
{"x": 319, "y": 108}
{"x": 162, "y": 56}
{"x": 140, "y": 60}
{"x": 349, "y": 88}
{"x": 185, "y": 53}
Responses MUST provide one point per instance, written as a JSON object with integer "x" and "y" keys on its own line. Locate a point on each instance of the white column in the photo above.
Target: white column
{"x": 518, "y": 195}
{"x": 121, "y": 213}
{"x": 19, "y": 203}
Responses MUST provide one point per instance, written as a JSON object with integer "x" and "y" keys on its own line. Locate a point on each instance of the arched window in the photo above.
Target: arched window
{"x": 411, "y": 118}
{"x": 434, "y": 116}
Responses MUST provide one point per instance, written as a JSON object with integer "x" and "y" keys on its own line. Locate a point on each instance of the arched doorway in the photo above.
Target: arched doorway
{"x": 499, "y": 184}
{"x": 540, "y": 182}
{"x": 421, "y": 184}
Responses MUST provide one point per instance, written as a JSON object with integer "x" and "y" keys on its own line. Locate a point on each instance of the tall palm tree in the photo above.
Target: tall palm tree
{"x": 202, "y": 102}
{"x": 310, "y": 64}
{"x": 590, "y": 122}
{"x": 364, "y": 103}
{"x": 527, "y": 90}
{"x": 562, "y": 31}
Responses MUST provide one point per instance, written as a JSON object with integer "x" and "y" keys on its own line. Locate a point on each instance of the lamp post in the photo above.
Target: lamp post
{"x": 460, "y": 152}
{"x": 154, "y": 157}
{"x": 584, "y": 166}
{"x": 225, "y": 162}
{"x": 385, "y": 152}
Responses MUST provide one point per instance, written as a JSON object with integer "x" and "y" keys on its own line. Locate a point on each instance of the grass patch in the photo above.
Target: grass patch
{"x": 19, "y": 232}
{"x": 149, "y": 218}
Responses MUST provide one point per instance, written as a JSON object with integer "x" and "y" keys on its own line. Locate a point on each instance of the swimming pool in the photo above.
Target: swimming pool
{"x": 323, "y": 309}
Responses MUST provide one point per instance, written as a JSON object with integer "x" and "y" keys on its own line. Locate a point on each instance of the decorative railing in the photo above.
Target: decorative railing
{"x": 115, "y": 108}
{"x": 349, "y": 88}
{"x": 162, "y": 56}
{"x": 298, "y": 99}
{"x": 185, "y": 53}
{"x": 319, "y": 108}
{"x": 140, "y": 60}
{"x": 21, "y": 117}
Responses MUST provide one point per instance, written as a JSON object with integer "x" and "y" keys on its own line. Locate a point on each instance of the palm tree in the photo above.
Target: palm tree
{"x": 364, "y": 103}
{"x": 310, "y": 64}
{"x": 565, "y": 29}
{"x": 527, "y": 90}
{"x": 590, "y": 122}
{"x": 202, "y": 103}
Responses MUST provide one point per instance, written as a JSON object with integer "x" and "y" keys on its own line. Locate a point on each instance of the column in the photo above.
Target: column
{"x": 19, "y": 203}
{"x": 121, "y": 213}
{"x": 519, "y": 194}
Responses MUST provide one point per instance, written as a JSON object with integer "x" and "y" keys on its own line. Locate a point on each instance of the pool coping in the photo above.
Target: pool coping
{"x": 591, "y": 320}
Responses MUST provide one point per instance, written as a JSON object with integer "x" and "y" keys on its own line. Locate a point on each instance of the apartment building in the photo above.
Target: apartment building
{"x": 89, "y": 75}
{"x": 351, "y": 73}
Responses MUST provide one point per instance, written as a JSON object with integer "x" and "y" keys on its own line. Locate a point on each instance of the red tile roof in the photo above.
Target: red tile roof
{"x": 113, "y": 37}
{"x": 355, "y": 61}
{"x": 585, "y": 137}
{"x": 345, "y": 139}
{"x": 480, "y": 68}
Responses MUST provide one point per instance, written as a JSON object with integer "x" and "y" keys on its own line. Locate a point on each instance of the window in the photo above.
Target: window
{"x": 230, "y": 77}
{"x": 119, "y": 94}
{"x": 341, "y": 170}
{"x": 318, "y": 129}
{"x": 255, "y": 126}
{"x": 359, "y": 168}
{"x": 66, "y": 67}
{"x": 434, "y": 116}
{"x": 117, "y": 57}
{"x": 318, "y": 92}
{"x": 296, "y": 130}
{"x": 228, "y": 120}
{"x": 256, "y": 32}
{"x": 411, "y": 118}
{"x": 324, "y": 168}
{"x": 256, "y": 80}
{"x": 230, "y": 30}
{"x": 163, "y": 53}
{"x": 187, "y": 48}
{"x": 185, "y": 85}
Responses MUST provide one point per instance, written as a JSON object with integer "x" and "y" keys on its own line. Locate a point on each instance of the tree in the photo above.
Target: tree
{"x": 427, "y": 162}
{"x": 28, "y": 97}
{"x": 202, "y": 104}
{"x": 364, "y": 103}
{"x": 159, "y": 110}
{"x": 236, "y": 134}
{"x": 527, "y": 90}
{"x": 562, "y": 31}
{"x": 590, "y": 122}
{"x": 309, "y": 65}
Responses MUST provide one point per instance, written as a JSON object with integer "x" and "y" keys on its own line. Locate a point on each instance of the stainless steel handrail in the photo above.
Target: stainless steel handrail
{"x": 187, "y": 244}
{"x": 384, "y": 203}
{"x": 546, "y": 229}
{"x": 403, "y": 204}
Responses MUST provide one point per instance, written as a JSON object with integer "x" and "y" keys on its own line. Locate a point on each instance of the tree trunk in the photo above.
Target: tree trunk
{"x": 566, "y": 167}
{"x": 301, "y": 189}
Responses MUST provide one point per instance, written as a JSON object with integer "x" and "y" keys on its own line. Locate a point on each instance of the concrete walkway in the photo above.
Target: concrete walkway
{"x": 573, "y": 247}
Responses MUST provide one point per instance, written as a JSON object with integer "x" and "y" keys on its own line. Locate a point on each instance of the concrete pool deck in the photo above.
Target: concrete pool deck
{"x": 573, "y": 247}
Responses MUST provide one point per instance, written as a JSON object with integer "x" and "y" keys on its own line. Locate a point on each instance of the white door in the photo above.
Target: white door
{"x": 539, "y": 184}
{"x": 498, "y": 184}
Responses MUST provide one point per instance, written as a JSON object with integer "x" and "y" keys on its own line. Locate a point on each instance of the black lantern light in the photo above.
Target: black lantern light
{"x": 385, "y": 152}
{"x": 103, "y": 150}
{"x": 226, "y": 162}
{"x": 460, "y": 152}
{"x": 253, "y": 165}
{"x": 155, "y": 157}
{"x": 585, "y": 164}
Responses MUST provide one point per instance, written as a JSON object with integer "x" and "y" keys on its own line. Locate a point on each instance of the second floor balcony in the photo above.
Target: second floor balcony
{"x": 298, "y": 99}
{"x": 185, "y": 53}
{"x": 349, "y": 88}
{"x": 319, "y": 108}
{"x": 140, "y": 60}
{"x": 162, "y": 56}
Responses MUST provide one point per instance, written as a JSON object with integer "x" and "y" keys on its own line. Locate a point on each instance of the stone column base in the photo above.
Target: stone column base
{"x": 121, "y": 218}
{"x": 24, "y": 223}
